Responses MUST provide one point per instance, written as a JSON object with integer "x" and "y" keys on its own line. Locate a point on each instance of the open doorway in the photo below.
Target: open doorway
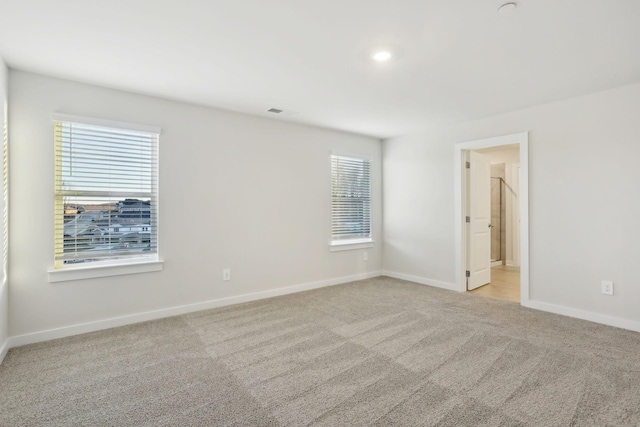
{"x": 503, "y": 281}
{"x": 492, "y": 228}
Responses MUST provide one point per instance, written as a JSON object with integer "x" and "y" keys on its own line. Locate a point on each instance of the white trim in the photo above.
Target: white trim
{"x": 497, "y": 263}
{"x": 421, "y": 280}
{"x": 584, "y": 315}
{"x": 93, "y": 271}
{"x": 352, "y": 155}
{"x": 98, "y": 325}
{"x": 535, "y": 305}
{"x": 522, "y": 139}
{"x": 105, "y": 123}
{"x": 349, "y": 245}
{"x": 515, "y": 217}
{"x": 4, "y": 349}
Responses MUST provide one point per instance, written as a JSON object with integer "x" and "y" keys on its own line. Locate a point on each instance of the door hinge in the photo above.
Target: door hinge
{"x": 467, "y": 219}
{"x": 467, "y": 165}
{"x": 468, "y": 273}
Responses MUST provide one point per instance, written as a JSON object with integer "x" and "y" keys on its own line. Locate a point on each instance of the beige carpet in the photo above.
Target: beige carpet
{"x": 376, "y": 352}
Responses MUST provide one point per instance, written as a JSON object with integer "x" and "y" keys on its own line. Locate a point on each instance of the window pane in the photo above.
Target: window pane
{"x": 350, "y": 198}
{"x": 106, "y": 193}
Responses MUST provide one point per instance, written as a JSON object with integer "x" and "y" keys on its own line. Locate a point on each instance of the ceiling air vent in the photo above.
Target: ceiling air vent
{"x": 274, "y": 110}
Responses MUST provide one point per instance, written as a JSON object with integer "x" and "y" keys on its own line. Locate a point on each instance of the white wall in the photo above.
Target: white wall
{"x": 4, "y": 287}
{"x": 418, "y": 207}
{"x": 584, "y": 209}
{"x": 236, "y": 191}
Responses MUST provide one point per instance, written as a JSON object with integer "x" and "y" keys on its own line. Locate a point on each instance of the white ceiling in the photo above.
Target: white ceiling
{"x": 459, "y": 59}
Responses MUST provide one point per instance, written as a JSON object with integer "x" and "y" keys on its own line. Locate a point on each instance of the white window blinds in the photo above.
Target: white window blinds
{"x": 106, "y": 195}
{"x": 350, "y": 198}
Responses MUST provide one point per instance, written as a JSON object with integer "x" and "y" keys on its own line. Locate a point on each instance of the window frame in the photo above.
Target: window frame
{"x": 356, "y": 242}
{"x": 135, "y": 263}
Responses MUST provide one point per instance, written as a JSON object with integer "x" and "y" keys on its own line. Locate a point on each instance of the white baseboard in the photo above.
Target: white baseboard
{"x": 4, "y": 348}
{"x": 421, "y": 280}
{"x": 584, "y": 315}
{"x": 536, "y": 305}
{"x": 496, "y": 263}
{"x": 221, "y": 302}
{"x": 98, "y": 325}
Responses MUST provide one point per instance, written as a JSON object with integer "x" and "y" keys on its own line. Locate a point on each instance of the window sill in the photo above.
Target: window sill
{"x": 90, "y": 272}
{"x": 349, "y": 245}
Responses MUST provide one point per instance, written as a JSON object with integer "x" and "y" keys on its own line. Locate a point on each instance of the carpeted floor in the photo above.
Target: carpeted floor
{"x": 376, "y": 352}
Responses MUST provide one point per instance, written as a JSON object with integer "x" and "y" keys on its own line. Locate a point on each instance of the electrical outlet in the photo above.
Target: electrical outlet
{"x": 607, "y": 287}
{"x": 366, "y": 256}
{"x": 226, "y": 274}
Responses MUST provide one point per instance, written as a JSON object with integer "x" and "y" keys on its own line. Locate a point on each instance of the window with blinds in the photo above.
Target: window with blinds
{"x": 106, "y": 194}
{"x": 350, "y": 199}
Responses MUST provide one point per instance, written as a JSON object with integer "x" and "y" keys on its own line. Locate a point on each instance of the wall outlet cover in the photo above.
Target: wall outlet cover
{"x": 607, "y": 287}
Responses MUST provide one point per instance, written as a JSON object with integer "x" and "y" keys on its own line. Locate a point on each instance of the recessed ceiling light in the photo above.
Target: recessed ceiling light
{"x": 507, "y": 8}
{"x": 381, "y": 55}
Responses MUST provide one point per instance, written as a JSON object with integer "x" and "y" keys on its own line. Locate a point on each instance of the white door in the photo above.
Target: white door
{"x": 479, "y": 241}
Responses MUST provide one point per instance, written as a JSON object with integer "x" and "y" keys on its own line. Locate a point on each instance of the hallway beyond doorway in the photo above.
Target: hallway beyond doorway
{"x": 505, "y": 284}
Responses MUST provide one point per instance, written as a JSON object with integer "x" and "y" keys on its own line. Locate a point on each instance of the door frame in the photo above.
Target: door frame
{"x": 522, "y": 139}
{"x": 515, "y": 257}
